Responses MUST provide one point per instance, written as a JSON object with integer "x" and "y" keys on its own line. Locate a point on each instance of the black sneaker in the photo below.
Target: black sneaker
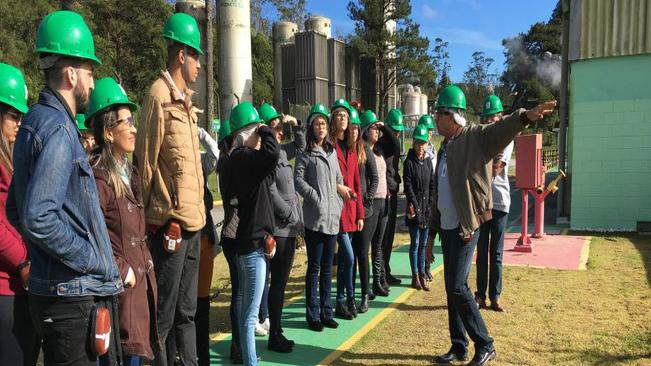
{"x": 393, "y": 280}
{"x": 315, "y": 326}
{"x": 330, "y": 323}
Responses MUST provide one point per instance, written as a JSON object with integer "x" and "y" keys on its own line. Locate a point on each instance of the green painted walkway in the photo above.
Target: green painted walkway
{"x": 311, "y": 347}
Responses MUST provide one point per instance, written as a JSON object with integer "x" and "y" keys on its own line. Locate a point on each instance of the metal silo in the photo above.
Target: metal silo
{"x": 235, "y": 70}
{"x": 412, "y": 102}
{"x": 423, "y": 103}
{"x": 336, "y": 69}
{"x": 283, "y": 33}
{"x": 320, "y": 25}
{"x": 353, "y": 82}
{"x": 288, "y": 70}
{"x": 311, "y": 68}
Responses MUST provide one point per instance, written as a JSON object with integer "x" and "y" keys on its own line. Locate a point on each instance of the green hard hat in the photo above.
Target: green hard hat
{"x": 421, "y": 133}
{"x": 341, "y": 103}
{"x": 81, "y": 122}
{"x": 492, "y": 105}
{"x": 368, "y": 118}
{"x": 451, "y": 97}
{"x": 242, "y": 115}
{"x": 354, "y": 117}
{"x": 268, "y": 112}
{"x": 107, "y": 93}
{"x": 224, "y": 130}
{"x": 13, "y": 90}
{"x": 65, "y": 33}
{"x": 427, "y": 121}
{"x": 318, "y": 109}
{"x": 183, "y": 28}
{"x": 215, "y": 124}
{"x": 394, "y": 120}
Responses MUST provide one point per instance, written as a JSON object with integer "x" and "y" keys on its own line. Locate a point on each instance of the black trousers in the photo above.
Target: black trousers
{"x": 19, "y": 343}
{"x": 64, "y": 324}
{"x": 376, "y": 237}
{"x": 177, "y": 278}
{"x": 390, "y": 232}
{"x": 280, "y": 266}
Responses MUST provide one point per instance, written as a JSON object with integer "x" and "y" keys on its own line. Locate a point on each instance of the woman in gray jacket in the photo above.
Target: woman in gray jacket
{"x": 319, "y": 181}
{"x": 288, "y": 218}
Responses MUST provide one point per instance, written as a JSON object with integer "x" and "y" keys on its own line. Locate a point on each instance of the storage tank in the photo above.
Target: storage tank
{"x": 283, "y": 33}
{"x": 423, "y": 104}
{"x": 320, "y": 25}
{"x": 412, "y": 101}
{"x": 235, "y": 70}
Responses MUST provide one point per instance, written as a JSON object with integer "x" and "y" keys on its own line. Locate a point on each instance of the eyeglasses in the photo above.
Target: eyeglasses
{"x": 15, "y": 116}
{"x": 128, "y": 120}
{"x": 441, "y": 112}
{"x": 341, "y": 115}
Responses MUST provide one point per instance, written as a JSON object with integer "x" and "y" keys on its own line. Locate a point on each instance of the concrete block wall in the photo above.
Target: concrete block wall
{"x": 610, "y": 143}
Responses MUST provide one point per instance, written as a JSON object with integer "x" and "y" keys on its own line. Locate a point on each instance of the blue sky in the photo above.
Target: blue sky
{"x": 468, "y": 25}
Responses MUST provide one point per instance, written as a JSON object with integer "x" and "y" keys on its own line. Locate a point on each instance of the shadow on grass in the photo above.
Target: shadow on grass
{"x": 348, "y": 358}
{"x": 643, "y": 245}
{"x": 639, "y": 344}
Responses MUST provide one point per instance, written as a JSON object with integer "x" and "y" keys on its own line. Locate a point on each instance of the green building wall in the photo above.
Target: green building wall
{"x": 610, "y": 143}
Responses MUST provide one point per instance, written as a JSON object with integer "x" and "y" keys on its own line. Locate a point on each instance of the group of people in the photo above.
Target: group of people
{"x": 109, "y": 259}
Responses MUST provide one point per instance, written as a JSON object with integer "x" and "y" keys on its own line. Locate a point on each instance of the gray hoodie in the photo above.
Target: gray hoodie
{"x": 287, "y": 209}
{"x": 316, "y": 176}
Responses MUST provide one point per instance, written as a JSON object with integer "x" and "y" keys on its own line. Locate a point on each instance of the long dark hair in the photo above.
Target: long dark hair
{"x": 348, "y": 134}
{"x": 102, "y": 155}
{"x": 311, "y": 140}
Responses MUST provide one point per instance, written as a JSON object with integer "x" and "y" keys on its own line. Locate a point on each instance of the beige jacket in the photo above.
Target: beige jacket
{"x": 469, "y": 157}
{"x": 168, "y": 157}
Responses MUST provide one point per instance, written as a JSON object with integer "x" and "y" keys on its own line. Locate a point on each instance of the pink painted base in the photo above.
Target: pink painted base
{"x": 552, "y": 251}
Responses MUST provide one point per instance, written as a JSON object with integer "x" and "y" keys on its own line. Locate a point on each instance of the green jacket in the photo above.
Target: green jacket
{"x": 469, "y": 157}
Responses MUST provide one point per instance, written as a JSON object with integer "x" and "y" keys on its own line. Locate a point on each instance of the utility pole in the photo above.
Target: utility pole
{"x": 210, "y": 62}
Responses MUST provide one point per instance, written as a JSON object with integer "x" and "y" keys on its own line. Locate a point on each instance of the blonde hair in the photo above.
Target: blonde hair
{"x": 102, "y": 156}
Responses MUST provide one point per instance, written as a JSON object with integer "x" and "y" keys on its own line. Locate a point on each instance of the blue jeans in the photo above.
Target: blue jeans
{"x": 491, "y": 240}
{"x": 463, "y": 313}
{"x": 131, "y": 360}
{"x": 253, "y": 269}
{"x": 236, "y": 295}
{"x": 320, "y": 253}
{"x": 345, "y": 261}
{"x": 418, "y": 238}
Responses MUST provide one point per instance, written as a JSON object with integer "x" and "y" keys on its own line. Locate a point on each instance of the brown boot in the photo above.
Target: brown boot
{"x": 495, "y": 305}
{"x": 423, "y": 282}
{"x": 481, "y": 302}
{"x": 415, "y": 282}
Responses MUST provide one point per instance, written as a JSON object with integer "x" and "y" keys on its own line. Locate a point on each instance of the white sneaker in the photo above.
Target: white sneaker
{"x": 266, "y": 325}
{"x": 259, "y": 330}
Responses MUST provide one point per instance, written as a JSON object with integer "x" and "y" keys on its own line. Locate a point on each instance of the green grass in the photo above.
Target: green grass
{"x": 600, "y": 316}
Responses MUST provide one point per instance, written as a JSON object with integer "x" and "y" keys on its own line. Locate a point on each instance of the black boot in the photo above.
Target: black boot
{"x": 278, "y": 343}
{"x": 350, "y": 303}
{"x": 363, "y": 306}
{"x": 378, "y": 290}
{"x": 236, "y": 353}
{"x": 341, "y": 310}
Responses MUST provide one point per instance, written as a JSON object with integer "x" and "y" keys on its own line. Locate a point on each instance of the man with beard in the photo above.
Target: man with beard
{"x": 53, "y": 199}
{"x": 168, "y": 157}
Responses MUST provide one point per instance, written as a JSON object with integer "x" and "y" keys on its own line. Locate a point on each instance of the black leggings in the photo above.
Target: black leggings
{"x": 373, "y": 232}
{"x": 280, "y": 266}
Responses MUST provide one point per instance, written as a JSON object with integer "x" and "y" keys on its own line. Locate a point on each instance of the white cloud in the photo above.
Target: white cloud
{"x": 429, "y": 12}
{"x": 469, "y": 37}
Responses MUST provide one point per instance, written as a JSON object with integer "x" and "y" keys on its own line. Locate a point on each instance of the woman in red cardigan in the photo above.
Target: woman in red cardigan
{"x": 352, "y": 214}
{"x": 18, "y": 339}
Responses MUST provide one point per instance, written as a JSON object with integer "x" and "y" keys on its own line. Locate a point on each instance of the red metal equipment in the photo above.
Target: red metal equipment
{"x": 530, "y": 178}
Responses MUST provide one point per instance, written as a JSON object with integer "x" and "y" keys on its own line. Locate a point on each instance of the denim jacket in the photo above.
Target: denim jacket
{"x": 54, "y": 204}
